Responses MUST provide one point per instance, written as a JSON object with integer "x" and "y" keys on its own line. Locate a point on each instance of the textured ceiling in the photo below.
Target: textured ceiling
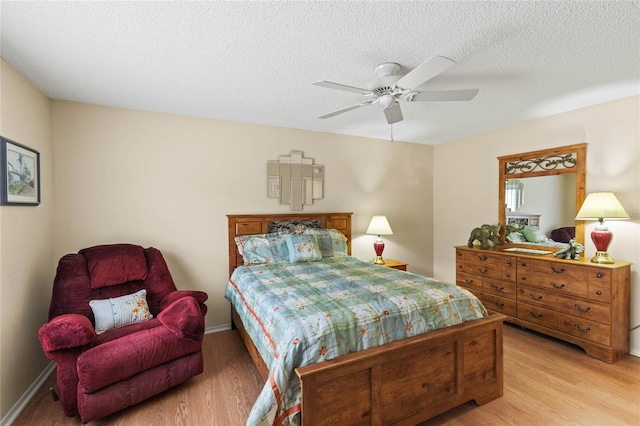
{"x": 255, "y": 61}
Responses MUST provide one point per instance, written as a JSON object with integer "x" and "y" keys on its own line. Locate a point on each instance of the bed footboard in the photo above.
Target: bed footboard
{"x": 408, "y": 381}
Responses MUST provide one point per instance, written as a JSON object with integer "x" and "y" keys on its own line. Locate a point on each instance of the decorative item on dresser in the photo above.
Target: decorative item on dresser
{"x": 576, "y": 301}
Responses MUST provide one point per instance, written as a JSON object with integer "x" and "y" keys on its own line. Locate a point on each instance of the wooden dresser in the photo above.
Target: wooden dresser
{"x": 580, "y": 302}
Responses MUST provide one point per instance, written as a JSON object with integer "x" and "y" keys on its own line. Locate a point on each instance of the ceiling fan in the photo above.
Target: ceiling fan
{"x": 388, "y": 87}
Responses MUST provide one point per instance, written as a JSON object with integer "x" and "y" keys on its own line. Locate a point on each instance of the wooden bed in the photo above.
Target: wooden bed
{"x": 404, "y": 382}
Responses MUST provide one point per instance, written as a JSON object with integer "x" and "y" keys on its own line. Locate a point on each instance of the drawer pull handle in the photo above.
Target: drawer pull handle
{"x": 523, "y": 278}
{"x": 599, "y": 293}
{"x": 523, "y": 264}
{"x": 482, "y": 271}
{"x": 458, "y": 253}
{"x": 582, "y": 330}
{"x": 508, "y": 275}
{"x": 482, "y": 258}
{"x": 534, "y": 297}
{"x": 495, "y": 287}
{"x": 599, "y": 275}
{"x": 587, "y": 309}
{"x": 557, "y": 271}
{"x": 468, "y": 281}
{"x": 508, "y": 262}
{"x": 499, "y": 305}
{"x": 554, "y": 285}
{"x": 537, "y": 316}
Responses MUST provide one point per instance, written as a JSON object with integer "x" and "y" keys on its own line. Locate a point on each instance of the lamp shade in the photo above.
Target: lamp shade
{"x": 379, "y": 226}
{"x": 601, "y": 205}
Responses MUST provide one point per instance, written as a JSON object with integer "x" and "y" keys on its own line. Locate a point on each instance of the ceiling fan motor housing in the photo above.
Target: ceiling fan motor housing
{"x": 386, "y": 77}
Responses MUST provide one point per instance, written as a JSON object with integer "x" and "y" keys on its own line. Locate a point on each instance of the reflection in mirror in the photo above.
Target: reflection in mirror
{"x": 544, "y": 189}
{"x": 552, "y": 198}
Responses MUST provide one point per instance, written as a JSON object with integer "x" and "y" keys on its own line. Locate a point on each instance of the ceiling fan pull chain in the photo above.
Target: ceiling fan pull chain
{"x": 391, "y": 125}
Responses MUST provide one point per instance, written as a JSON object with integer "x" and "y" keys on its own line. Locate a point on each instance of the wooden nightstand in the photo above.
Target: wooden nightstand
{"x": 395, "y": 264}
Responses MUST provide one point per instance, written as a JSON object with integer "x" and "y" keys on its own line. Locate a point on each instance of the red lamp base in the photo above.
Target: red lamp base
{"x": 601, "y": 238}
{"x": 378, "y": 246}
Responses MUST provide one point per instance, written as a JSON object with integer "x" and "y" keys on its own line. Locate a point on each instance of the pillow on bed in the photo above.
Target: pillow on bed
{"x": 303, "y": 248}
{"x": 516, "y": 237}
{"x": 540, "y": 236}
{"x": 528, "y": 234}
{"x": 332, "y": 242}
{"x": 262, "y": 248}
{"x": 534, "y": 235}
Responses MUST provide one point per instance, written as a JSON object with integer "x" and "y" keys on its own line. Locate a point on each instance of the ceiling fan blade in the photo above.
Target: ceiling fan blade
{"x": 444, "y": 95}
{"x": 393, "y": 113}
{"x": 340, "y": 111}
{"x": 338, "y": 86}
{"x": 425, "y": 71}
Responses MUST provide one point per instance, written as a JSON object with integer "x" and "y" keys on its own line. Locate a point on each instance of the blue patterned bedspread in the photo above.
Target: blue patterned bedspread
{"x": 301, "y": 313}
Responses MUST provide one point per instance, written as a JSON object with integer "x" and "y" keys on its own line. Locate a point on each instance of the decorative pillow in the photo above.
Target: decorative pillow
{"x": 303, "y": 248}
{"x": 115, "y": 264}
{"x": 262, "y": 248}
{"x": 540, "y": 236}
{"x": 332, "y": 242}
{"x": 120, "y": 311}
{"x": 515, "y": 237}
{"x": 528, "y": 234}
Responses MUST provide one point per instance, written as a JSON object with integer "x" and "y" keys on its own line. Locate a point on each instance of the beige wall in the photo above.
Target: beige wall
{"x": 466, "y": 180}
{"x": 169, "y": 181}
{"x": 26, "y": 244}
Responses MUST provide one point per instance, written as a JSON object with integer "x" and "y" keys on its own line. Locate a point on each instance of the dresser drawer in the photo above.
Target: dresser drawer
{"x": 599, "y": 284}
{"x": 499, "y": 288}
{"x": 590, "y": 330}
{"x": 460, "y": 261}
{"x": 509, "y": 268}
{"x": 484, "y": 264}
{"x": 472, "y": 282}
{"x": 541, "y": 316}
{"x": 537, "y": 297}
{"x": 563, "y": 278}
{"x": 585, "y": 308}
{"x": 499, "y": 304}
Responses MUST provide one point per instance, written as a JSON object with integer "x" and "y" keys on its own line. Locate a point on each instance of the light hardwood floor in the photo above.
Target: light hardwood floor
{"x": 546, "y": 382}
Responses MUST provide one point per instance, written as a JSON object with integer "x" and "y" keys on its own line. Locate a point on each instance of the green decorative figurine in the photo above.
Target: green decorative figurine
{"x": 484, "y": 234}
{"x": 571, "y": 252}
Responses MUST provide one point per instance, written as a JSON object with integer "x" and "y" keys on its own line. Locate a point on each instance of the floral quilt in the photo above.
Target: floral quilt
{"x": 301, "y": 313}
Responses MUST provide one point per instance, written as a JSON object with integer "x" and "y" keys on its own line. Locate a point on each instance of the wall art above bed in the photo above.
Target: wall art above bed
{"x": 295, "y": 180}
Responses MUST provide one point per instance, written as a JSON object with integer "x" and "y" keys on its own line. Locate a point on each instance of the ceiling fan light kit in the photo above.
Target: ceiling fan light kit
{"x": 388, "y": 87}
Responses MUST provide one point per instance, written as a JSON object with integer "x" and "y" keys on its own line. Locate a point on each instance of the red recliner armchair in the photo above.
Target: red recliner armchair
{"x": 119, "y": 330}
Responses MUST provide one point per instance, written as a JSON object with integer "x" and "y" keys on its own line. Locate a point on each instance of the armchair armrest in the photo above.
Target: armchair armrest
{"x": 199, "y": 296}
{"x": 184, "y": 318}
{"x": 65, "y": 332}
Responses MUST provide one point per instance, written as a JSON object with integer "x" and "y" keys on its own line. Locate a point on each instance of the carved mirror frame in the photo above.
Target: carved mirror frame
{"x": 545, "y": 162}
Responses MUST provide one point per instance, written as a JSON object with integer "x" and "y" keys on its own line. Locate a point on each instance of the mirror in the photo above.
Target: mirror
{"x": 553, "y": 188}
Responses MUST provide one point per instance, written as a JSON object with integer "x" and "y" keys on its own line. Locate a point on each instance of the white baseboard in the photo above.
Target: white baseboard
{"x": 217, "y": 328}
{"x": 15, "y": 411}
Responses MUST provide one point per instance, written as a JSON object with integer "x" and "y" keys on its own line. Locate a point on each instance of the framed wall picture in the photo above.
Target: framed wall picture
{"x": 20, "y": 174}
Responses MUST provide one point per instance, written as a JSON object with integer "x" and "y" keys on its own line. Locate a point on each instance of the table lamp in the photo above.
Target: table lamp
{"x": 600, "y": 206}
{"x": 379, "y": 226}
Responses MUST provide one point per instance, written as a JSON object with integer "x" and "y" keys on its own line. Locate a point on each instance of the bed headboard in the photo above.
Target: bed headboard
{"x": 247, "y": 224}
